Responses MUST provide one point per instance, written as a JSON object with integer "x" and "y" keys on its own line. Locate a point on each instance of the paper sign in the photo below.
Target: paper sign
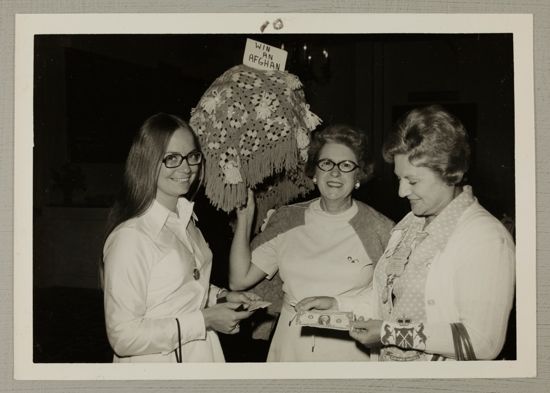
{"x": 264, "y": 57}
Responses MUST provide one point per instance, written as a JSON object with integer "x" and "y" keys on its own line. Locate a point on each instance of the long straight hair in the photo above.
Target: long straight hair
{"x": 142, "y": 168}
{"x": 139, "y": 185}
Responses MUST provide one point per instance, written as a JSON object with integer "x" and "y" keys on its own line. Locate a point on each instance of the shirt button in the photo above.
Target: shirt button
{"x": 428, "y": 265}
{"x": 431, "y": 302}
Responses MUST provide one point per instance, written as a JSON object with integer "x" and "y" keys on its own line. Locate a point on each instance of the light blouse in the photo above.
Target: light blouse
{"x": 318, "y": 253}
{"x": 149, "y": 282}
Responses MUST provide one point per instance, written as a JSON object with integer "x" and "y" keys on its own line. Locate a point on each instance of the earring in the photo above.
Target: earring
{"x": 314, "y": 180}
{"x": 357, "y": 185}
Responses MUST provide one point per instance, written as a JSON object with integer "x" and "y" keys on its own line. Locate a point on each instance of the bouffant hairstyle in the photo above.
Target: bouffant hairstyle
{"x": 433, "y": 138}
{"x": 356, "y": 140}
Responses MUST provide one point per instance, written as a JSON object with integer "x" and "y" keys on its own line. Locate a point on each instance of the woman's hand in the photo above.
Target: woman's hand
{"x": 366, "y": 332}
{"x": 317, "y": 303}
{"x": 223, "y": 318}
{"x": 246, "y": 212}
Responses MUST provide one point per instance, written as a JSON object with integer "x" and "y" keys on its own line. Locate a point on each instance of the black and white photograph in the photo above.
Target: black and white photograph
{"x": 265, "y": 197}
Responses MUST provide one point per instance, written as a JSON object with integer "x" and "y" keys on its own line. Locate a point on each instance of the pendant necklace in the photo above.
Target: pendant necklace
{"x": 196, "y": 271}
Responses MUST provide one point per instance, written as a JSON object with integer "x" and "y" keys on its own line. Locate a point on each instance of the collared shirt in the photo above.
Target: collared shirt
{"x": 149, "y": 282}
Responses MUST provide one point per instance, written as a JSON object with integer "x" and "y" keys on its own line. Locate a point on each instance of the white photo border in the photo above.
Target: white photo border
{"x": 520, "y": 25}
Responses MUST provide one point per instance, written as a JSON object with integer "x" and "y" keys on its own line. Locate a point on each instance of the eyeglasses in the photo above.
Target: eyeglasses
{"x": 327, "y": 165}
{"x": 174, "y": 160}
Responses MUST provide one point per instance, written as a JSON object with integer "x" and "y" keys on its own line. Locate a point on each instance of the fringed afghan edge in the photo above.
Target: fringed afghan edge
{"x": 222, "y": 195}
{"x": 279, "y": 158}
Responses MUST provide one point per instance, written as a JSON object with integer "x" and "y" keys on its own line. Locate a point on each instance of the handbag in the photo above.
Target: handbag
{"x": 462, "y": 342}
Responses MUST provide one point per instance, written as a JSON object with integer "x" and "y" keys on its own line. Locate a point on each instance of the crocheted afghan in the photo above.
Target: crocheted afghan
{"x": 254, "y": 128}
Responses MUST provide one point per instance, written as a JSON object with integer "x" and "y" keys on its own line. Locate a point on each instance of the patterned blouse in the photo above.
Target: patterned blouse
{"x": 401, "y": 276}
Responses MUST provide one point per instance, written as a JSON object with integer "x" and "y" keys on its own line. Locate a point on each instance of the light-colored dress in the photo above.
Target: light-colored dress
{"x": 149, "y": 282}
{"x": 317, "y": 253}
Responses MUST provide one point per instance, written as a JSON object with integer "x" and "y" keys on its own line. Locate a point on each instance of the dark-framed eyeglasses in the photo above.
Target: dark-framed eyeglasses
{"x": 174, "y": 160}
{"x": 345, "y": 166}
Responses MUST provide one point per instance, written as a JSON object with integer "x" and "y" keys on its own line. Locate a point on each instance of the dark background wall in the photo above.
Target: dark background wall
{"x": 92, "y": 92}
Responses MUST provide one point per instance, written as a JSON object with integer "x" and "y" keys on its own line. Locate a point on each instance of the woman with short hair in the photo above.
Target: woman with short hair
{"x": 326, "y": 245}
{"x": 444, "y": 287}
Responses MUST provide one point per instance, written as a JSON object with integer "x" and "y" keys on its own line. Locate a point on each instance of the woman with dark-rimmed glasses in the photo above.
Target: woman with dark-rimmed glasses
{"x": 326, "y": 245}
{"x": 159, "y": 303}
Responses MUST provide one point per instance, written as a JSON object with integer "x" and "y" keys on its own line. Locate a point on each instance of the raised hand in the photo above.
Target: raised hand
{"x": 247, "y": 211}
